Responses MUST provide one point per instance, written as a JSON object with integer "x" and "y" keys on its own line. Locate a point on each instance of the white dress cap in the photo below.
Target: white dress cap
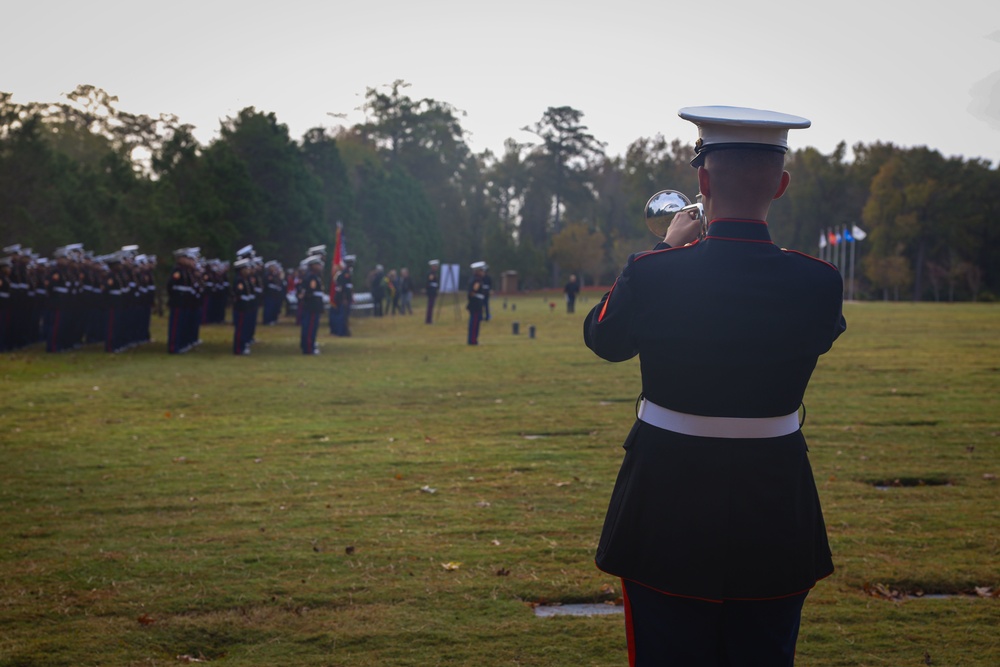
{"x": 740, "y": 127}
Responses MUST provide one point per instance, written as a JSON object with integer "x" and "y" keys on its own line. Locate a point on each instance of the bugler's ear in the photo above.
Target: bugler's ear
{"x": 704, "y": 182}
{"x": 785, "y": 178}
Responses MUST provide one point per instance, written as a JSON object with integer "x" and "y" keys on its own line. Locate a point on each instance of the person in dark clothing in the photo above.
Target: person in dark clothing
{"x": 243, "y": 310}
{"x": 313, "y": 297}
{"x": 487, "y": 289}
{"x": 376, "y": 285}
{"x": 714, "y": 524}
{"x": 405, "y": 292}
{"x": 571, "y": 289}
{"x": 343, "y": 297}
{"x": 431, "y": 287}
{"x": 476, "y": 293}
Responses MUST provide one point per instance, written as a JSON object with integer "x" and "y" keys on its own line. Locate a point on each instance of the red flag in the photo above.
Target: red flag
{"x": 338, "y": 246}
{"x": 338, "y": 257}
{"x": 832, "y": 237}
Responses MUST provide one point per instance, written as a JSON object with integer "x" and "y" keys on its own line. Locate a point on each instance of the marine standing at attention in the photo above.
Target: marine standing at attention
{"x": 343, "y": 297}
{"x": 714, "y": 524}
{"x": 312, "y": 297}
{"x": 487, "y": 290}
{"x": 433, "y": 283}
{"x": 243, "y": 299}
{"x": 477, "y": 298}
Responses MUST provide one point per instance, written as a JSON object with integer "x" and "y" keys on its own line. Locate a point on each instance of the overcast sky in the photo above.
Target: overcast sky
{"x": 913, "y": 73}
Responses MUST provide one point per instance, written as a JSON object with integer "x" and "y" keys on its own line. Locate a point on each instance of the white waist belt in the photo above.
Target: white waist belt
{"x": 717, "y": 427}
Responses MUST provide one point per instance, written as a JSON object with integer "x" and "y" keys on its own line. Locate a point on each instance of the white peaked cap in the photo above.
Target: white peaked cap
{"x": 740, "y": 127}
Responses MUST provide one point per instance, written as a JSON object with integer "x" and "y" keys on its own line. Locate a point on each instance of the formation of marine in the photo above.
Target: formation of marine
{"x": 77, "y": 297}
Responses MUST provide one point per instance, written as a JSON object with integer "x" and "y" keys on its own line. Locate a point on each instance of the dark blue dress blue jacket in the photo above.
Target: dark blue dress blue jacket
{"x": 730, "y": 326}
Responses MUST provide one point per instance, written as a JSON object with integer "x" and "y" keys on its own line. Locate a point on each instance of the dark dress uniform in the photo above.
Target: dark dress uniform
{"x": 274, "y": 295}
{"x": 59, "y": 327}
{"x": 147, "y": 288}
{"x": 23, "y": 328}
{"x": 343, "y": 297}
{"x": 114, "y": 297}
{"x": 5, "y": 307}
{"x": 311, "y": 297}
{"x": 243, "y": 313}
{"x": 257, "y": 287}
{"x": 487, "y": 290}
{"x": 184, "y": 302}
{"x": 433, "y": 278}
{"x": 728, "y": 327}
{"x": 477, "y": 299}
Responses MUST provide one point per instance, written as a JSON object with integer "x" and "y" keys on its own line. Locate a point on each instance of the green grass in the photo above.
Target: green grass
{"x": 276, "y": 508}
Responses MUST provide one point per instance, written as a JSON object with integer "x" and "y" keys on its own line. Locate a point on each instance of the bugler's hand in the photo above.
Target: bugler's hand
{"x": 683, "y": 229}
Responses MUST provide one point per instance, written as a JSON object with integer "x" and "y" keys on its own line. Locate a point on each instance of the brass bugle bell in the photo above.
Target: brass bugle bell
{"x": 664, "y": 205}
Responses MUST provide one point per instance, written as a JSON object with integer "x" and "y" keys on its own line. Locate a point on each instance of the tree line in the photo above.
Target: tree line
{"x": 407, "y": 188}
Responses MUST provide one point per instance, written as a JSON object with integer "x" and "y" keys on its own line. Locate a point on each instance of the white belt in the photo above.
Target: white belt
{"x": 717, "y": 427}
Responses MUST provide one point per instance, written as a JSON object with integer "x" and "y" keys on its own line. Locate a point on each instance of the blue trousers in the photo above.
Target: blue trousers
{"x": 310, "y": 326}
{"x": 475, "y": 317}
{"x": 666, "y": 630}
{"x": 241, "y": 331}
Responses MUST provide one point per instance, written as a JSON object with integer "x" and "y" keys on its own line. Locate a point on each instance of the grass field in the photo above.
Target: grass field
{"x": 404, "y": 499}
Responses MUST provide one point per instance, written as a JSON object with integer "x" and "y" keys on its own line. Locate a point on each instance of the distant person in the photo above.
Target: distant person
{"x": 183, "y": 300}
{"x": 376, "y": 285}
{"x": 431, "y": 287}
{"x": 312, "y": 297}
{"x": 392, "y": 291}
{"x": 571, "y": 289}
{"x": 487, "y": 290}
{"x": 343, "y": 297}
{"x": 5, "y": 310}
{"x": 714, "y": 524}
{"x": 243, "y": 300}
{"x": 405, "y": 292}
{"x": 477, "y": 297}
{"x": 274, "y": 294}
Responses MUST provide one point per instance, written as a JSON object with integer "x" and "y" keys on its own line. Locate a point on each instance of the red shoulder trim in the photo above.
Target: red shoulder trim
{"x": 604, "y": 308}
{"x": 660, "y": 252}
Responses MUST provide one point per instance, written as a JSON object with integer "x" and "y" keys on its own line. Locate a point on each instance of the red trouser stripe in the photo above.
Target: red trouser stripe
{"x": 629, "y": 630}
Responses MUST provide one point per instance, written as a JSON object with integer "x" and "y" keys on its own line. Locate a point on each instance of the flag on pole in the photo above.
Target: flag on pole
{"x": 822, "y": 240}
{"x": 831, "y": 237}
{"x": 847, "y": 235}
{"x": 338, "y": 245}
{"x": 338, "y": 256}
{"x": 859, "y": 234}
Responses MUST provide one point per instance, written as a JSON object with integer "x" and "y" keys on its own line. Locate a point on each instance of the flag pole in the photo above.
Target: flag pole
{"x": 843, "y": 249}
{"x": 850, "y": 290}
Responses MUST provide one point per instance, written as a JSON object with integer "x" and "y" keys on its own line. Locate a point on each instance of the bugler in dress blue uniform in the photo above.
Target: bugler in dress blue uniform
{"x": 715, "y": 500}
